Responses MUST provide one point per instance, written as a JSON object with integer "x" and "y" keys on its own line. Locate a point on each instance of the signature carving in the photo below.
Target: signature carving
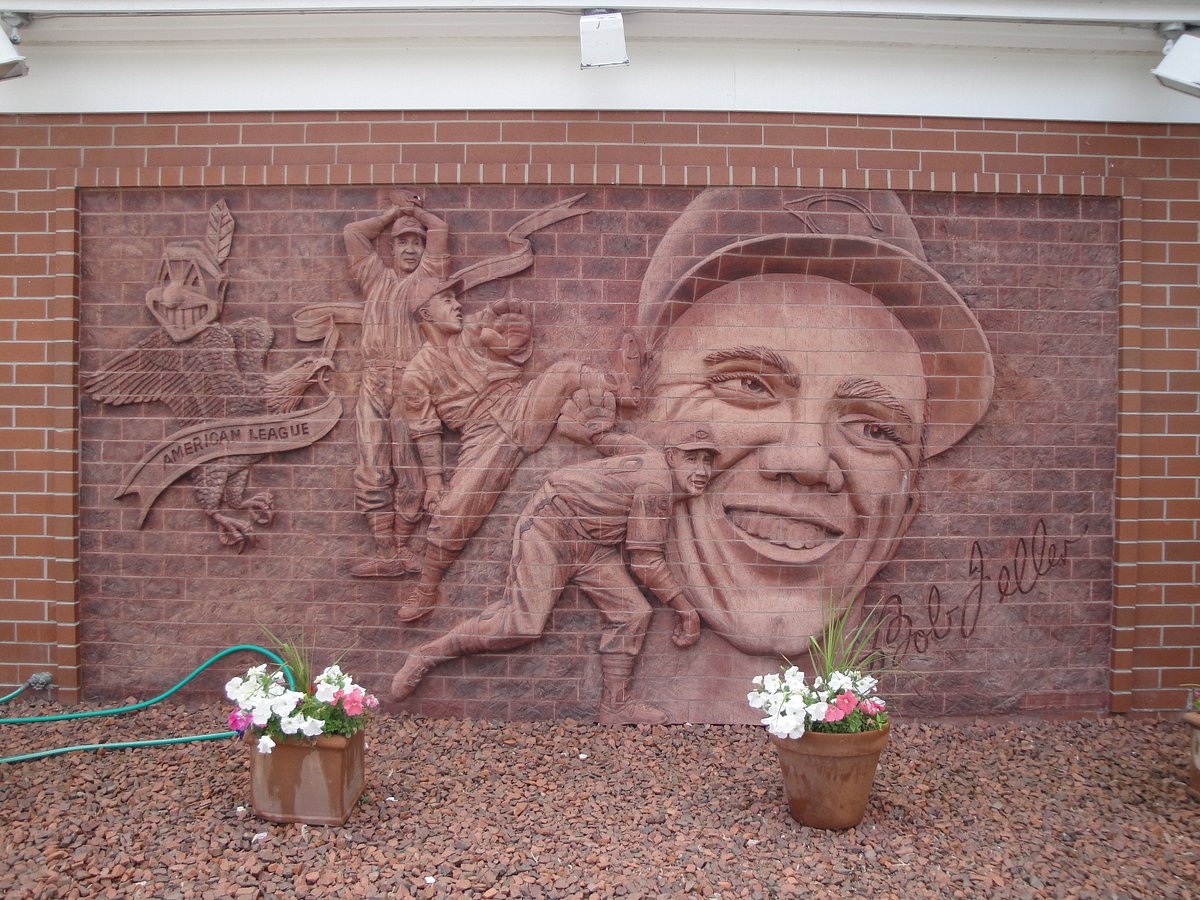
{"x": 1033, "y": 557}
{"x": 214, "y": 380}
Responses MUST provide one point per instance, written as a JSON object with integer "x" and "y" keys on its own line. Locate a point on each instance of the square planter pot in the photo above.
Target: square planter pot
{"x": 315, "y": 781}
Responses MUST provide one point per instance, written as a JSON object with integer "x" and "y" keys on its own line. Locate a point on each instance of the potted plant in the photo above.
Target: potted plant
{"x": 1191, "y": 718}
{"x": 306, "y": 746}
{"x": 828, "y": 732}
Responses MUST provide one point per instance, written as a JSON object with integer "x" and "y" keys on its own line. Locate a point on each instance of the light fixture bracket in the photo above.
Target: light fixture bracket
{"x": 16, "y": 21}
{"x": 601, "y": 39}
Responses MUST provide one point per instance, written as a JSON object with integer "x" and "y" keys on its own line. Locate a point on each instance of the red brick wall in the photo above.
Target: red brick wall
{"x": 1149, "y": 175}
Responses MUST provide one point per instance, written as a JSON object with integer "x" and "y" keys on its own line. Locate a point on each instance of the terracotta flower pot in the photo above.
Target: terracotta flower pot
{"x": 827, "y": 778}
{"x": 316, "y": 781}
{"x": 1192, "y": 719}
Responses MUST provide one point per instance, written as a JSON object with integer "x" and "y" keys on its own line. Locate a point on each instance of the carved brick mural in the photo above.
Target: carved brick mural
{"x": 533, "y": 453}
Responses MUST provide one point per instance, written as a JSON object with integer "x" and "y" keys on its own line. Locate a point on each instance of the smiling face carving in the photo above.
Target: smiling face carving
{"x": 188, "y": 293}
{"x": 816, "y": 397}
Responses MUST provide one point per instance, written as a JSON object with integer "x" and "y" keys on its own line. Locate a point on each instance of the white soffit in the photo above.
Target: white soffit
{"x": 1014, "y": 60}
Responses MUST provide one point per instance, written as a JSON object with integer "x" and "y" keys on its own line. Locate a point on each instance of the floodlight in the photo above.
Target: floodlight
{"x": 12, "y": 63}
{"x": 1180, "y": 66}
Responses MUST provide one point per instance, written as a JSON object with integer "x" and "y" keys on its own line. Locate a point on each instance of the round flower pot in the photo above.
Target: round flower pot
{"x": 827, "y": 778}
{"x": 312, "y": 780}
{"x": 1192, "y": 720}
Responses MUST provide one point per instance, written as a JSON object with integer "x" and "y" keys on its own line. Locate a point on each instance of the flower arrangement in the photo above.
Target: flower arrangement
{"x": 840, "y": 698}
{"x": 840, "y": 703}
{"x": 269, "y": 709}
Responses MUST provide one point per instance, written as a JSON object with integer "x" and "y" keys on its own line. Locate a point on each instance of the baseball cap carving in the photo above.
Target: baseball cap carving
{"x": 690, "y": 436}
{"x": 407, "y": 225}
{"x": 863, "y": 238}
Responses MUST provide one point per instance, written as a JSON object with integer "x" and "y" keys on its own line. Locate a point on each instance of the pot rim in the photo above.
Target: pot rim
{"x": 333, "y": 741}
{"x": 835, "y": 734}
{"x": 815, "y": 743}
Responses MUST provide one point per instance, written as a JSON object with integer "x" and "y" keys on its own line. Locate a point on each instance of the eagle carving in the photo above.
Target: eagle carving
{"x": 209, "y": 374}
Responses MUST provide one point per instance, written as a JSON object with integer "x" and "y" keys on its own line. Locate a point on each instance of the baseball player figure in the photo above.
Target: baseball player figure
{"x": 591, "y": 525}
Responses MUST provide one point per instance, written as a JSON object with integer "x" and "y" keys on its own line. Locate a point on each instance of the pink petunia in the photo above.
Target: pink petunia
{"x": 872, "y": 706}
{"x": 834, "y": 714}
{"x": 352, "y": 701}
{"x": 240, "y": 720}
{"x": 846, "y": 702}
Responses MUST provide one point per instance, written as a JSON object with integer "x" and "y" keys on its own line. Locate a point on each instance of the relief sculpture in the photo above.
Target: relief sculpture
{"x": 608, "y": 458}
{"x": 389, "y": 486}
{"x": 385, "y": 478}
{"x": 830, "y": 360}
{"x": 578, "y": 529}
{"x": 213, "y": 378}
{"x": 469, "y": 376}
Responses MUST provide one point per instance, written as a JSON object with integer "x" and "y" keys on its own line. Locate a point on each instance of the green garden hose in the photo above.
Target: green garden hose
{"x": 134, "y": 707}
{"x": 39, "y": 681}
{"x": 8, "y": 697}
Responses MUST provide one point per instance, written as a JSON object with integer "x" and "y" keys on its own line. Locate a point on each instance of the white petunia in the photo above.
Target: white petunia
{"x": 795, "y": 726}
{"x": 793, "y": 705}
{"x": 325, "y": 691}
{"x": 285, "y": 703}
{"x": 794, "y": 679}
{"x": 816, "y": 711}
{"x": 265, "y": 744}
{"x": 785, "y": 726}
{"x": 260, "y": 714}
{"x": 840, "y": 681}
{"x": 312, "y": 727}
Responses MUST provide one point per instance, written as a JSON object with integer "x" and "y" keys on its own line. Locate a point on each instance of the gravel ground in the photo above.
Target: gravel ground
{"x": 995, "y": 808}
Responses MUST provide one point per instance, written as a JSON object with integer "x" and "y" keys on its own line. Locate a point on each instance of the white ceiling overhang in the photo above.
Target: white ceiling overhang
{"x": 1015, "y": 59}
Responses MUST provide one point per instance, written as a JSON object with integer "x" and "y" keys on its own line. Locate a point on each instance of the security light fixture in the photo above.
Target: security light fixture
{"x": 1180, "y": 66}
{"x": 12, "y": 63}
{"x": 601, "y": 39}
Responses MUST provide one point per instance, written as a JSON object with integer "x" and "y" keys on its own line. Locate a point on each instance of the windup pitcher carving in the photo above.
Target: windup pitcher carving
{"x": 388, "y": 486}
{"x": 214, "y": 380}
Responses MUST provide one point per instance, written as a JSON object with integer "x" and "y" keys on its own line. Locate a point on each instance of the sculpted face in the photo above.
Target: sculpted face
{"x": 407, "y": 250}
{"x": 691, "y": 470}
{"x": 816, "y": 398}
{"x": 188, "y": 295}
{"x": 444, "y": 313}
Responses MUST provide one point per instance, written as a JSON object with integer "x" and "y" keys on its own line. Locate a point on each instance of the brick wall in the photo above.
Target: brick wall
{"x": 952, "y": 173}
